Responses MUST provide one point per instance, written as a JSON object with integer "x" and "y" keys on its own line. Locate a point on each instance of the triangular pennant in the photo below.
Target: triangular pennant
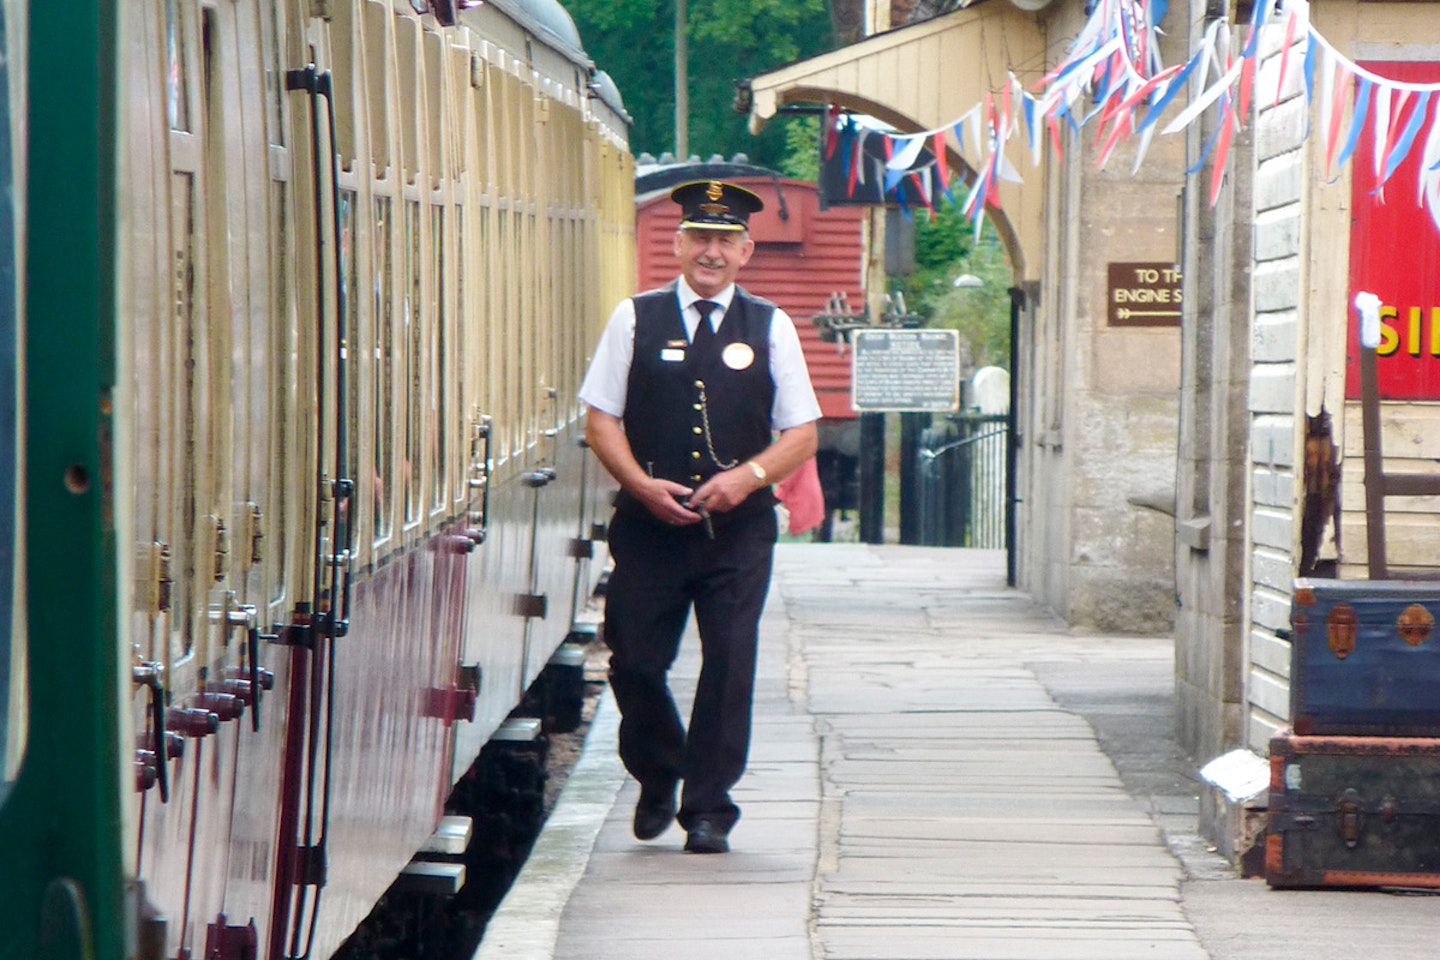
{"x": 832, "y": 115}
{"x": 1337, "y": 86}
{"x": 1222, "y": 153}
{"x": 1357, "y": 120}
{"x": 1291, "y": 22}
{"x": 1401, "y": 149}
{"x": 1200, "y": 103}
{"x": 907, "y": 149}
{"x": 1384, "y": 123}
{"x": 942, "y": 162}
{"x": 1310, "y": 58}
{"x": 1247, "y": 82}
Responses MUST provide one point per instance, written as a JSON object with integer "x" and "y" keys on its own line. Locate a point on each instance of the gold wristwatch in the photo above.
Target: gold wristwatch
{"x": 758, "y": 470}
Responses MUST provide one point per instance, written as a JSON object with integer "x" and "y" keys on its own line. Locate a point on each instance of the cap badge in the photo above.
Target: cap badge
{"x": 715, "y": 191}
{"x": 738, "y": 356}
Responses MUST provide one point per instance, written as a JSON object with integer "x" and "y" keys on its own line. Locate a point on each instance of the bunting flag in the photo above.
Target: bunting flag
{"x": 1112, "y": 76}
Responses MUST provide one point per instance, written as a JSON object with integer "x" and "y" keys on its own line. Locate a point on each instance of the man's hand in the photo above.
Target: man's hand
{"x": 666, "y": 500}
{"x": 726, "y": 490}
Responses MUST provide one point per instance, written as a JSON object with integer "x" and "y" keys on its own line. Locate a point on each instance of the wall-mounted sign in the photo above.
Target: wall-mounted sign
{"x": 1395, "y": 254}
{"x": 906, "y": 370}
{"x": 1143, "y": 295}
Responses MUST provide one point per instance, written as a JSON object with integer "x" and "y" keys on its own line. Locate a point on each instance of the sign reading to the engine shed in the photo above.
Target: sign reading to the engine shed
{"x": 905, "y": 371}
{"x": 1143, "y": 295}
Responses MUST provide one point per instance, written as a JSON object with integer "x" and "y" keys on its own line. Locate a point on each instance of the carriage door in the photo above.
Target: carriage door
{"x": 195, "y": 370}
{"x": 325, "y": 246}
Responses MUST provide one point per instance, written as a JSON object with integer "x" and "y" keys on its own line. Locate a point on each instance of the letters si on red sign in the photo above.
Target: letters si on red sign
{"x": 1395, "y": 254}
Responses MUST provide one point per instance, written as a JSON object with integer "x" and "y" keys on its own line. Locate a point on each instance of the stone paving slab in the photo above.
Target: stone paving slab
{"x": 991, "y": 908}
{"x": 918, "y": 726}
{"x": 1011, "y": 892}
{"x": 1000, "y": 829}
{"x": 1059, "y": 806}
{"x": 974, "y": 858}
{"x": 884, "y": 944}
{"x": 792, "y": 947}
{"x": 653, "y": 866}
{"x": 768, "y": 913}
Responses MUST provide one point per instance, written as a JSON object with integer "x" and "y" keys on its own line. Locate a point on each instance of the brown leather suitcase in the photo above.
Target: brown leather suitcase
{"x": 1353, "y": 811}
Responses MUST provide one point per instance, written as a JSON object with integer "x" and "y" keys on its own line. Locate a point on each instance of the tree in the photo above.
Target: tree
{"x": 802, "y": 149}
{"x": 979, "y": 306}
{"x": 729, "y": 40}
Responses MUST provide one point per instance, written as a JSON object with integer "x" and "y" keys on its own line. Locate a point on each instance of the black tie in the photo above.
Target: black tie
{"x": 704, "y": 332}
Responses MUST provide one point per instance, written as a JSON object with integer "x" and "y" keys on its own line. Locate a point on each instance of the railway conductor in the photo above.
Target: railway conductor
{"x": 699, "y": 400}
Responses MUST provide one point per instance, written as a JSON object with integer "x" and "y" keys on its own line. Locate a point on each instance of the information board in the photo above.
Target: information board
{"x": 906, "y": 371}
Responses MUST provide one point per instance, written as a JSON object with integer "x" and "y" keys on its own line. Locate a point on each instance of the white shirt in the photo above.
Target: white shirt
{"x": 608, "y": 379}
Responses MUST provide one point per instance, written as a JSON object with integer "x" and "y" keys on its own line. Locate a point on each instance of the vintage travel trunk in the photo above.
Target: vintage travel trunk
{"x": 1364, "y": 658}
{"x": 1353, "y": 811}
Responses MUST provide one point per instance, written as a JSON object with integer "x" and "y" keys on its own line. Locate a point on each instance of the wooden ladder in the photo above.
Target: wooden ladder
{"x": 1379, "y": 484}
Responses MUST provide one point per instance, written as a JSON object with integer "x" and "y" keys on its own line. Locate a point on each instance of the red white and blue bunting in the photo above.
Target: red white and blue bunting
{"x": 1112, "y": 77}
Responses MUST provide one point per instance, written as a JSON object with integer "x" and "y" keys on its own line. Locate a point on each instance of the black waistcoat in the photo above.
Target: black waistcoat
{"x": 688, "y": 413}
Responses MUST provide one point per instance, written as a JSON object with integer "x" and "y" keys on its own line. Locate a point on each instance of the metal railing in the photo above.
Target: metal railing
{"x": 961, "y": 463}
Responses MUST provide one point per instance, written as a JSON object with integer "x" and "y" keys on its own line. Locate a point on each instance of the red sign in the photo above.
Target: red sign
{"x": 1395, "y": 254}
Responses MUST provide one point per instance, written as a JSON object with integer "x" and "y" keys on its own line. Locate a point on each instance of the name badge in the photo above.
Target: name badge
{"x": 738, "y": 356}
{"x": 672, "y": 355}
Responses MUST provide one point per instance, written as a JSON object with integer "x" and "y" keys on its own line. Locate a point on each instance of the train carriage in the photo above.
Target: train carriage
{"x": 332, "y": 512}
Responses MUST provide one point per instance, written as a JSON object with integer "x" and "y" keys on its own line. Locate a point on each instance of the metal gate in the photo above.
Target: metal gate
{"x": 960, "y": 463}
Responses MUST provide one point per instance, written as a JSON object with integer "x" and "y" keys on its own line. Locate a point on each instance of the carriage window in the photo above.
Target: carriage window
{"x": 483, "y": 131}
{"x": 508, "y": 380}
{"x": 177, "y": 85}
{"x": 282, "y": 386}
{"x": 379, "y": 72}
{"x": 532, "y": 338}
{"x": 12, "y": 648}
{"x": 413, "y": 318}
{"x": 438, "y": 420}
{"x": 184, "y": 438}
{"x": 270, "y": 39}
{"x": 462, "y": 370}
{"x": 485, "y": 308}
{"x": 433, "y": 65}
{"x": 351, "y": 299}
{"x": 384, "y": 378}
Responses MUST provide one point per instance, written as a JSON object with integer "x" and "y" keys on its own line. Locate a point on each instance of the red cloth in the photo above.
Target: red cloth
{"x": 800, "y": 493}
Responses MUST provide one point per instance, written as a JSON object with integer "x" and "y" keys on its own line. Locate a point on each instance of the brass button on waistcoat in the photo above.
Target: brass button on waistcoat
{"x": 694, "y": 454}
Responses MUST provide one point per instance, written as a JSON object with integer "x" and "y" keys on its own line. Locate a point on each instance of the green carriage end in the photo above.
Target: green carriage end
{"x": 61, "y": 879}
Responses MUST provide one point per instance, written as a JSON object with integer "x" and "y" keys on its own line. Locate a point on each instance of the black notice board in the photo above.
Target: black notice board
{"x": 905, "y": 370}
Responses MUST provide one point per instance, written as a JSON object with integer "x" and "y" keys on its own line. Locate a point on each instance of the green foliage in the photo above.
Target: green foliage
{"x": 945, "y": 249}
{"x": 802, "y": 149}
{"x": 633, "y": 40}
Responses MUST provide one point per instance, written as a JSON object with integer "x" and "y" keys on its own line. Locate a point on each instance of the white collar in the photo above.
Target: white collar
{"x": 688, "y": 296}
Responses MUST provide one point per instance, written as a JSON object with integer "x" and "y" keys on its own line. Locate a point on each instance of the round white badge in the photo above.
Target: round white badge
{"x": 738, "y": 356}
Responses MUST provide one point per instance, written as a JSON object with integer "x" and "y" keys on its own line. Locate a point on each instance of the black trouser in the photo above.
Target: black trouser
{"x": 659, "y": 573}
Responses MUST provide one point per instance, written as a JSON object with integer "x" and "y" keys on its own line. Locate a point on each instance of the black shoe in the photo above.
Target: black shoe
{"x": 707, "y": 837}
{"x": 654, "y": 813}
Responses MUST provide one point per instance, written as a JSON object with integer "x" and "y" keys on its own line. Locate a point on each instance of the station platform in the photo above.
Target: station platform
{"x": 940, "y": 770}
